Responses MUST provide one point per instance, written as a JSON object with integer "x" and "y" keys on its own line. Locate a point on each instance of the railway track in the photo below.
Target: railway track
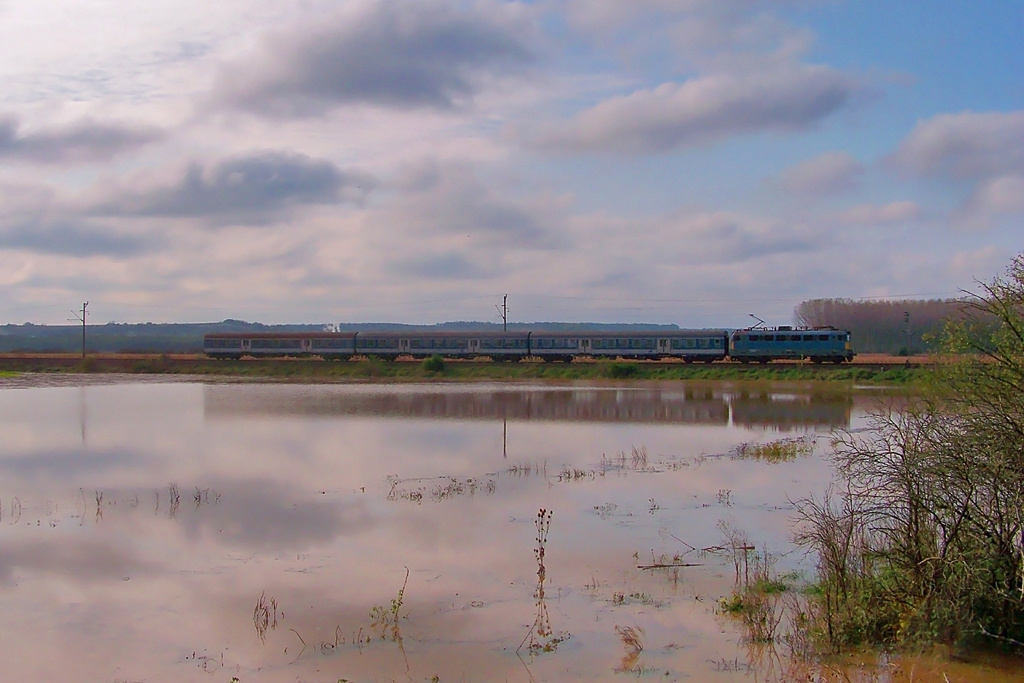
{"x": 154, "y": 362}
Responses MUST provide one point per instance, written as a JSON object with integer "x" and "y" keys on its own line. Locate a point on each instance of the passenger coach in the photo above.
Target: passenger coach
{"x": 689, "y": 345}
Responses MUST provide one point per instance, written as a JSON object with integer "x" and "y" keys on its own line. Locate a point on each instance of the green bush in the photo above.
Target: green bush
{"x": 434, "y": 364}
{"x": 623, "y": 370}
{"x": 919, "y": 542}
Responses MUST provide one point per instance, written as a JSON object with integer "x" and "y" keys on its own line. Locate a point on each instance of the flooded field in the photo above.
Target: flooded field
{"x": 169, "y": 530}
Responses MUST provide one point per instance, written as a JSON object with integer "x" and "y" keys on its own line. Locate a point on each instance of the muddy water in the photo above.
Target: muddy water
{"x": 177, "y": 530}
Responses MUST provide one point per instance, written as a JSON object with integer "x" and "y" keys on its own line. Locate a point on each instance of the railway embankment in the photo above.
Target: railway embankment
{"x": 866, "y": 368}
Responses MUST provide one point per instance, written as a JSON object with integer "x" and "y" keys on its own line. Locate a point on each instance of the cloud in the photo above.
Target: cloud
{"x": 443, "y": 266}
{"x": 255, "y": 188}
{"x": 708, "y": 32}
{"x": 33, "y": 218}
{"x": 450, "y": 199}
{"x": 704, "y": 110}
{"x": 69, "y": 237}
{"x": 402, "y": 54}
{"x": 992, "y": 200}
{"x": 985, "y": 151}
{"x": 83, "y": 141}
{"x": 965, "y": 146}
{"x": 870, "y": 214}
{"x": 829, "y": 173}
{"x": 726, "y": 238}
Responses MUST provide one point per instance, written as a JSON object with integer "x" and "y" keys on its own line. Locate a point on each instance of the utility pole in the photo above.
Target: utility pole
{"x": 82, "y": 318}
{"x": 503, "y": 312}
{"x": 906, "y": 330}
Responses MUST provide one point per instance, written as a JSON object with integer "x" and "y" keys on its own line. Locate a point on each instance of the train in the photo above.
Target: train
{"x": 752, "y": 345}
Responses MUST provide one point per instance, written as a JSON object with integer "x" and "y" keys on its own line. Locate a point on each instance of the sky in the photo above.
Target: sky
{"x": 695, "y": 162}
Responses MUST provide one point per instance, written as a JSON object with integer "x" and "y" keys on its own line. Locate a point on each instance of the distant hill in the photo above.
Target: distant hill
{"x": 188, "y": 337}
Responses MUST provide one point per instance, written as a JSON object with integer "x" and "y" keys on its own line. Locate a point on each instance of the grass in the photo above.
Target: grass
{"x": 780, "y": 450}
{"x": 385, "y": 619}
{"x": 753, "y": 601}
{"x": 456, "y": 370}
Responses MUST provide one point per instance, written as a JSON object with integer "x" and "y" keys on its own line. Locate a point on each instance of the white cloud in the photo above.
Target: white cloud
{"x": 984, "y": 151}
{"x": 702, "y": 111}
{"x": 83, "y": 141}
{"x": 966, "y": 146}
{"x": 392, "y": 54}
{"x": 992, "y": 201}
{"x": 255, "y": 188}
{"x": 873, "y": 215}
{"x": 829, "y": 173}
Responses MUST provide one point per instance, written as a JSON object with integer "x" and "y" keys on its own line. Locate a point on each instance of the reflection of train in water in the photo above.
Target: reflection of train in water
{"x": 757, "y": 345}
{"x": 699, "y": 405}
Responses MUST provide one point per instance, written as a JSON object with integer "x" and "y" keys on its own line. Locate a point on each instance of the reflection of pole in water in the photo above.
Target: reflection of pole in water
{"x": 81, "y": 412}
{"x": 504, "y": 436}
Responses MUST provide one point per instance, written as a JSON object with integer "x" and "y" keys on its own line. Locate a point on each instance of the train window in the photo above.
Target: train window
{"x": 755, "y": 337}
{"x": 718, "y": 342}
{"x": 329, "y": 343}
{"x": 769, "y": 337}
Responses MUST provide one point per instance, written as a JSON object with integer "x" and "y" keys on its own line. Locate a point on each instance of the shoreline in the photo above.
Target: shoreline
{"x": 866, "y": 369}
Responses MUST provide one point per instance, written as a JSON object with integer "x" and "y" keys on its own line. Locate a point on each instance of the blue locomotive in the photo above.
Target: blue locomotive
{"x": 819, "y": 345}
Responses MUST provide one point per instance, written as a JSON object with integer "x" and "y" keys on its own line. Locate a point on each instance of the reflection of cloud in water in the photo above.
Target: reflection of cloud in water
{"x": 83, "y": 560}
{"x": 260, "y": 515}
{"x": 66, "y": 464}
{"x": 688, "y": 405}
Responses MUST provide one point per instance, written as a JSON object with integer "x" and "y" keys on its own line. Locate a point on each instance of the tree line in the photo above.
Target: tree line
{"x": 904, "y": 327}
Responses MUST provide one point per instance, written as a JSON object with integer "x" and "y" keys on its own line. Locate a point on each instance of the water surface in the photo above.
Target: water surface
{"x": 169, "y": 530}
